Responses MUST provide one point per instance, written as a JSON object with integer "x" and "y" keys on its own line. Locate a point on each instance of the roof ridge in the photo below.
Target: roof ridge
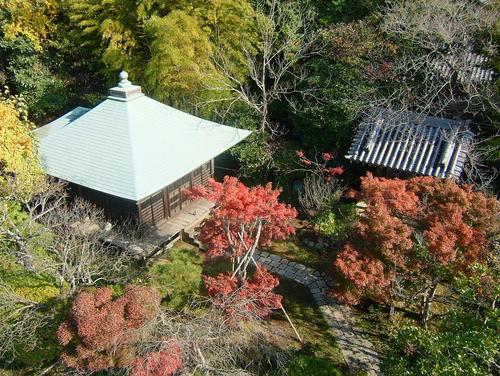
{"x": 131, "y": 149}
{"x": 132, "y": 146}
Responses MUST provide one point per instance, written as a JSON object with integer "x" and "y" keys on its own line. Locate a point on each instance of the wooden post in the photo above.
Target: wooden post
{"x": 139, "y": 211}
{"x": 291, "y": 323}
{"x": 166, "y": 202}
{"x": 151, "y": 207}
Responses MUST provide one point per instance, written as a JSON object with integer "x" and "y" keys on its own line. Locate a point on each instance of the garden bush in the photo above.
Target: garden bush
{"x": 337, "y": 222}
{"x": 326, "y": 224}
{"x": 462, "y": 344}
{"x": 179, "y": 277}
{"x": 32, "y": 287}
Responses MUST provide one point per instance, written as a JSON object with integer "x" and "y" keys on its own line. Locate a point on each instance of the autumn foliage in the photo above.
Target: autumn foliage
{"x": 18, "y": 151}
{"x": 414, "y": 232}
{"x": 238, "y": 215}
{"x": 165, "y": 362}
{"x": 319, "y": 165}
{"x": 243, "y": 219}
{"x": 254, "y": 298}
{"x": 99, "y": 334}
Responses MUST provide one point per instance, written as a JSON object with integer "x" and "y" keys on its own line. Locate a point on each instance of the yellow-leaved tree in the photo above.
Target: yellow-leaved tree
{"x": 19, "y": 165}
{"x": 27, "y": 18}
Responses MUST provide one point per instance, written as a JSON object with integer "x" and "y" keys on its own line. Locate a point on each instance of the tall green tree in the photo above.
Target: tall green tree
{"x": 32, "y": 20}
{"x": 168, "y": 47}
{"x": 337, "y": 11}
{"x": 29, "y": 33}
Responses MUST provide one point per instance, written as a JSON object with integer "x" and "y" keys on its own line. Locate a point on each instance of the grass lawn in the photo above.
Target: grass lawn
{"x": 307, "y": 318}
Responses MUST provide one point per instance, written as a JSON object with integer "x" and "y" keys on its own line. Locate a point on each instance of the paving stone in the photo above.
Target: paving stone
{"x": 358, "y": 352}
{"x": 313, "y": 285}
{"x": 321, "y": 283}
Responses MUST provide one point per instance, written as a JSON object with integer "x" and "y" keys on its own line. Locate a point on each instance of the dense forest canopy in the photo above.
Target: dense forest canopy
{"x": 302, "y": 75}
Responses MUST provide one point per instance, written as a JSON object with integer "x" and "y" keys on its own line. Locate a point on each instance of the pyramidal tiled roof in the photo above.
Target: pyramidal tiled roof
{"x": 418, "y": 144}
{"x": 130, "y": 145}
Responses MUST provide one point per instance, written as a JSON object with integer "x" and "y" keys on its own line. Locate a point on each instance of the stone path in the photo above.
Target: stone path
{"x": 358, "y": 352}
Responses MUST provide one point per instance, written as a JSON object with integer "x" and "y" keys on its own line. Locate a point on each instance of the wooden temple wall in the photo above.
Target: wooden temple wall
{"x": 169, "y": 201}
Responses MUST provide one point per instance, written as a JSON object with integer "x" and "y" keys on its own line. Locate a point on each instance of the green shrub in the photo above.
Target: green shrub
{"x": 326, "y": 224}
{"x": 336, "y": 223}
{"x": 179, "y": 276}
{"x": 461, "y": 344}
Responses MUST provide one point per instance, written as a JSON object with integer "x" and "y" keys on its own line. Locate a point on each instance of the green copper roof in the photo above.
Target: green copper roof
{"x": 130, "y": 145}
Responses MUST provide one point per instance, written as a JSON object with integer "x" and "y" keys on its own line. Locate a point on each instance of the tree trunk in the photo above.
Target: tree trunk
{"x": 26, "y": 258}
{"x": 391, "y": 300}
{"x": 427, "y": 299}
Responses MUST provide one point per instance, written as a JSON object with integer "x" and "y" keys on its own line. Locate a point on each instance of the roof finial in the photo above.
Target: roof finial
{"x": 123, "y": 80}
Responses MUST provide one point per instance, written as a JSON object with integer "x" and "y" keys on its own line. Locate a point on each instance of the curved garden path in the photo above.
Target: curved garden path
{"x": 358, "y": 352}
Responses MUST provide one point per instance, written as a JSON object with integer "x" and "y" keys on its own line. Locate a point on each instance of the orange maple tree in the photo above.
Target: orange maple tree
{"x": 254, "y": 297}
{"x": 100, "y": 331}
{"x": 243, "y": 219}
{"x": 414, "y": 234}
{"x": 165, "y": 362}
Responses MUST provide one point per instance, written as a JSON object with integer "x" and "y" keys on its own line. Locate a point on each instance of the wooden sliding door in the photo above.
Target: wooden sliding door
{"x": 170, "y": 200}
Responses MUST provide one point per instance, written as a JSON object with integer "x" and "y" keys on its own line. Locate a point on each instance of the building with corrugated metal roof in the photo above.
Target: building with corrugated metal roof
{"x": 133, "y": 155}
{"x": 411, "y": 143}
{"x": 469, "y": 67}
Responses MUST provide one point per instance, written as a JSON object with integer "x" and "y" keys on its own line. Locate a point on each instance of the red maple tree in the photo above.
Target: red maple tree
{"x": 165, "y": 362}
{"x": 243, "y": 219}
{"x": 99, "y": 334}
{"x": 255, "y": 296}
{"x": 319, "y": 165}
{"x": 417, "y": 232}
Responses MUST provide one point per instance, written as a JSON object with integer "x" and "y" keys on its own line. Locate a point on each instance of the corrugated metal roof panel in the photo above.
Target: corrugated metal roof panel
{"x": 412, "y": 143}
{"x": 470, "y": 66}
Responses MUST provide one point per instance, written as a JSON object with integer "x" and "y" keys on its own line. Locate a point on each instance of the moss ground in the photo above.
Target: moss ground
{"x": 306, "y": 316}
{"x": 292, "y": 250}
